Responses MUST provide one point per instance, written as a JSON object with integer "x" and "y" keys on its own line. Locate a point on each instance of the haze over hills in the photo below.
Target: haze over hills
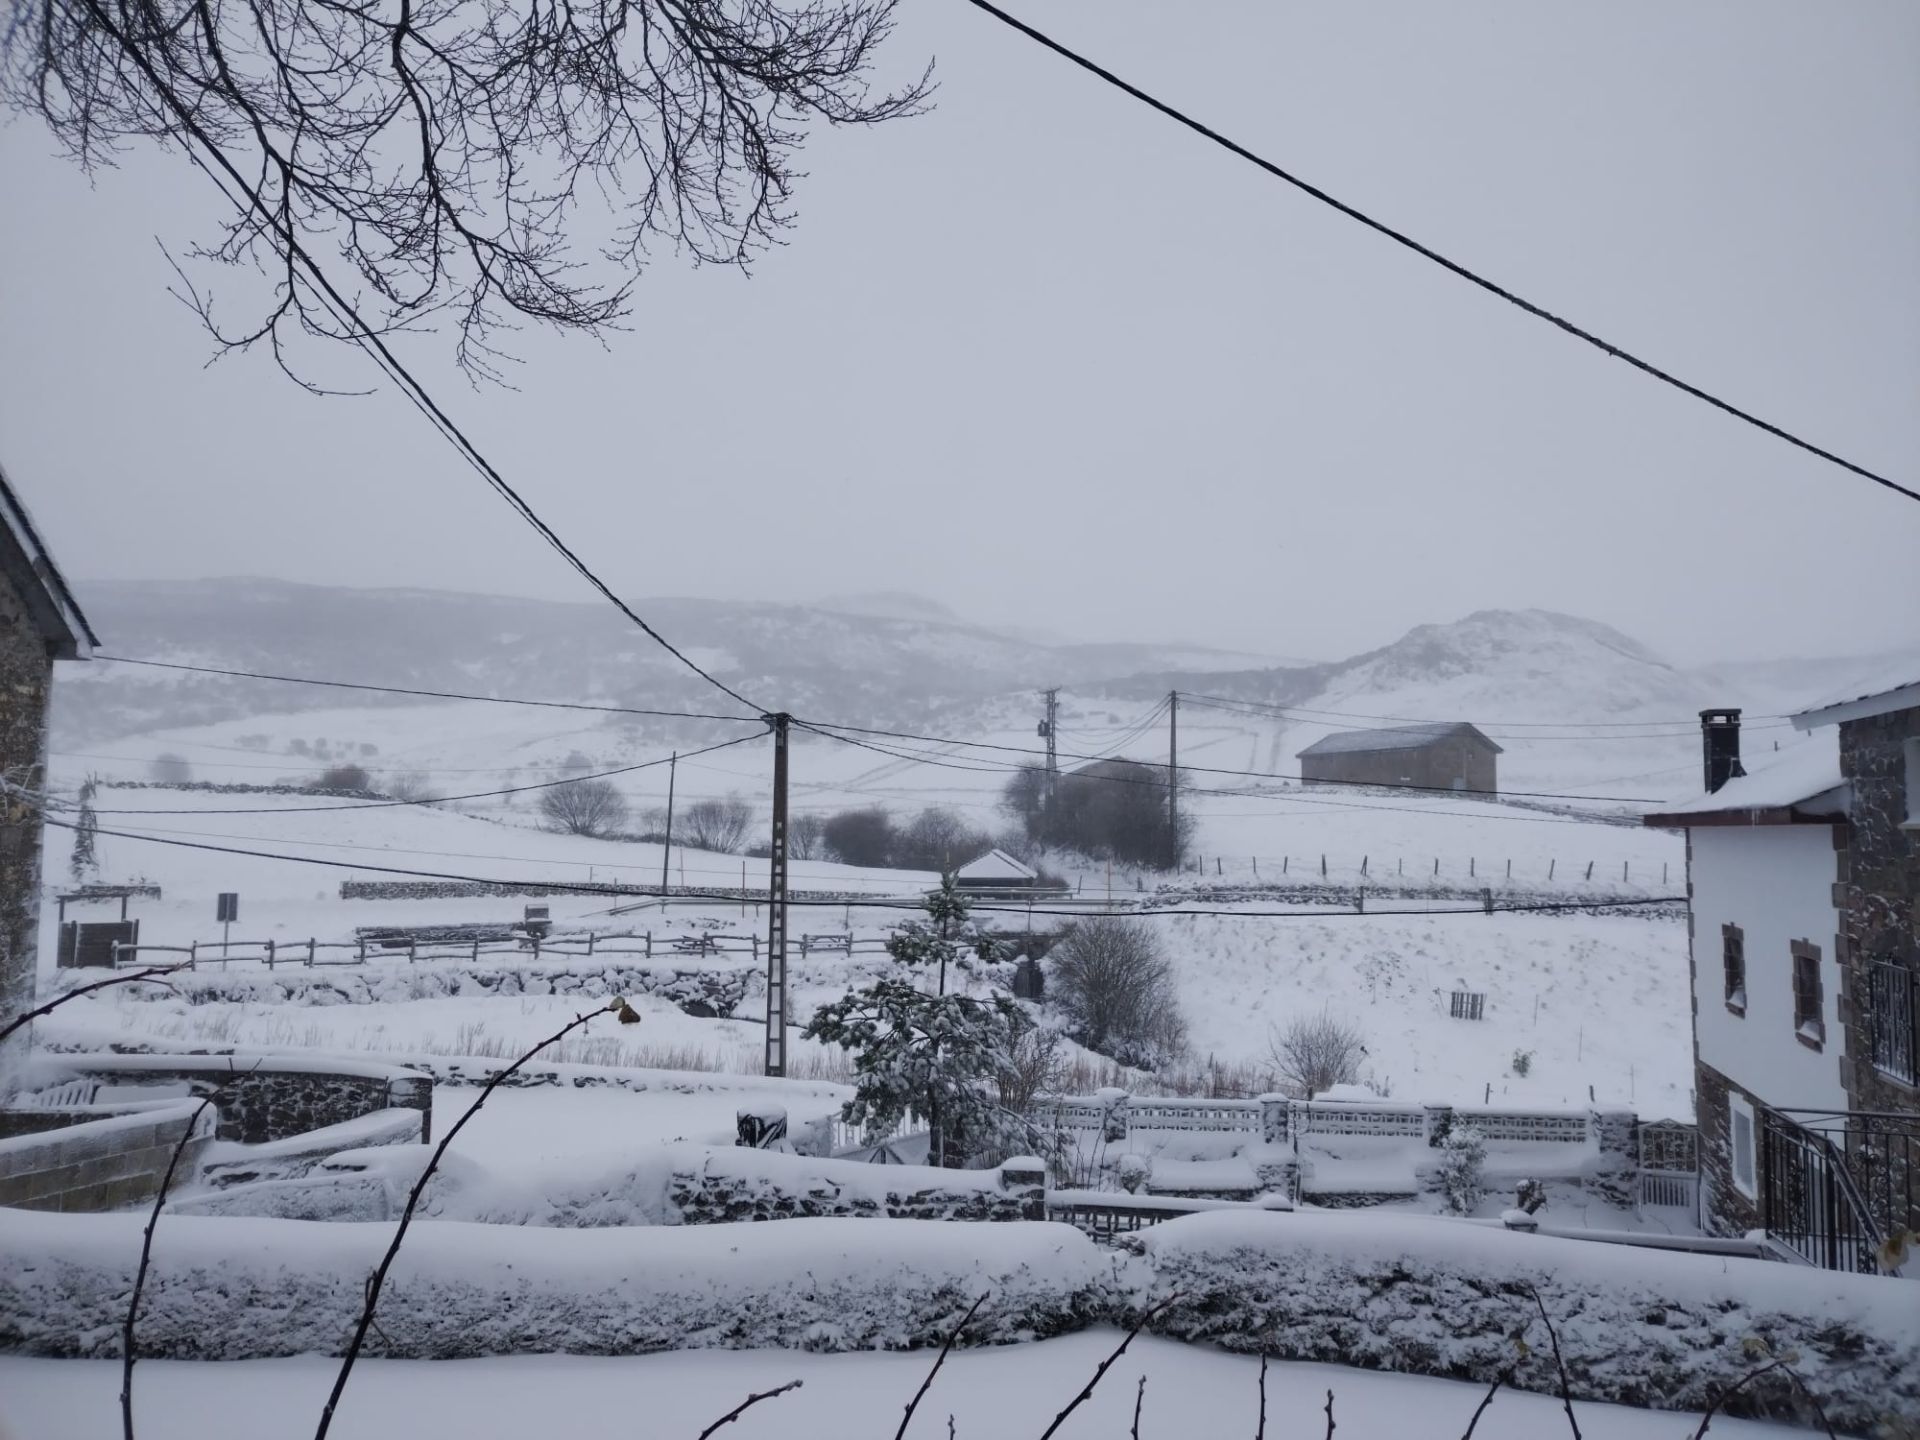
{"x": 1574, "y": 702}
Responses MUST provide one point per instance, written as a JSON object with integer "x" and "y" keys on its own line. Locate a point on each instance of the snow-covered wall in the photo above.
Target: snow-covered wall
{"x": 1417, "y": 1295}
{"x": 1776, "y": 883}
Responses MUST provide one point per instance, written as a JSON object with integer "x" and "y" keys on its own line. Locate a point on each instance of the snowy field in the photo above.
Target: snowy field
{"x": 1193, "y": 1393}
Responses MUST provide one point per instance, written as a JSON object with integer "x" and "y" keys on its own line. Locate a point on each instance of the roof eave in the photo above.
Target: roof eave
{"x": 1865, "y": 707}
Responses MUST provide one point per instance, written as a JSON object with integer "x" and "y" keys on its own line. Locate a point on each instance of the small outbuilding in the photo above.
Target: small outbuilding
{"x": 995, "y": 873}
{"x": 1437, "y": 756}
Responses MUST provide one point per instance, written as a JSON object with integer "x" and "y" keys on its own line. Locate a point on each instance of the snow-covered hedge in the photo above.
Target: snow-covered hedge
{"x": 715, "y": 989}
{"x": 232, "y": 1289}
{"x": 1439, "y": 1297}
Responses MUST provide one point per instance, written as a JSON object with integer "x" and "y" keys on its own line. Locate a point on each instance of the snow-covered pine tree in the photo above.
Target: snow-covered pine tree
{"x": 932, "y": 1057}
{"x": 83, "y": 865}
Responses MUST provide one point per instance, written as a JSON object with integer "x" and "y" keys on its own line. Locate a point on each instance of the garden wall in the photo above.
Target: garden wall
{"x": 100, "y": 1161}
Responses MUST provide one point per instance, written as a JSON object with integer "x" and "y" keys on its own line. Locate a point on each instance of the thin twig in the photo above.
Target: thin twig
{"x": 151, "y": 973}
{"x": 747, "y": 1404}
{"x": 1087, "y": 1390}
{"x": 1754, "y": 1374}
{"x": 1139, "y": 1398}
{"x": 1260, "y": 1431}
{"x": 413, "y": 1199}
{"x": 1329, "y": 1415}
{"x": 1566, "y": 1391}
{"x": 953, "y": 1335}
{"x": 1485, "y": 1400}
{"x": 127, "y": 1349}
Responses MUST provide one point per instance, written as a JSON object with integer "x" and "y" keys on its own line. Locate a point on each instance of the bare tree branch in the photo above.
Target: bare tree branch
{"x": 747, "y": 1404}
{"x": 1139, "y": 1399}
{"x": 379, "y": 1278}
{"x": 941, "y": 1359}
{"x": 1566, "y": 1390}
{"x": 498, "y": 161}
{"x": 1481, "y": 1408}
{"x": 1754, "y": 1374}
{"x": 153, "y": 972}
{"x": 1086, "y": 1391}
{"x": 1260, "y": 1430}
{"x": 1329, "y": 1415}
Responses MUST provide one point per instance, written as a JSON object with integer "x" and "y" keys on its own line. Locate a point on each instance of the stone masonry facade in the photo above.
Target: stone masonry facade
{"x": 26, "y": 673}
{"x": 1724, "y": 1208}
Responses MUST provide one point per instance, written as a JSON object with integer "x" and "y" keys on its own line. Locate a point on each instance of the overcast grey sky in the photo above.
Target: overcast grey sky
{"x": 1047, "y": 358}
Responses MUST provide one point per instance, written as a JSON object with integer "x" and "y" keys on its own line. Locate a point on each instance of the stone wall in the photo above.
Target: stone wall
{"x": 1723, "y": 1209}
{"x": 770, "y": 1186}
{"x": 1879, "y": 895}
{"x": 261, "y": 1100}
{"x": 25, "y": 675}
{"x": 104, "y": 1162}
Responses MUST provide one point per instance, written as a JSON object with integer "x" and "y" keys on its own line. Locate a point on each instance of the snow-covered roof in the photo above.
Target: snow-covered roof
{"x": 1395, "y": 737}
{"x": 39, "y": 581}
{"x": 1804, "y": 783}
{"x": 996, "y": 865}
{"x": 1875, "y": 694}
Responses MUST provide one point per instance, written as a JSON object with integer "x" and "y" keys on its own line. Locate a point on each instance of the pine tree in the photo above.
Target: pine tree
{"x": 83, "y": 864}
{"x": 928, "y": 1057}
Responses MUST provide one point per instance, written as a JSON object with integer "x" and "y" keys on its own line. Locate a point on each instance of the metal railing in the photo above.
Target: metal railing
{"x": 1836, "y": 1184}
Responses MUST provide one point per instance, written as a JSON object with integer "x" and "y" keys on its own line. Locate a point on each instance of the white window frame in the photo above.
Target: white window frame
{"x": 1740, "y": 1113}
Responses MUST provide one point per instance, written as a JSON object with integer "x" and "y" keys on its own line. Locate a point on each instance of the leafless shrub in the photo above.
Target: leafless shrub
{"x": 717, "y": 825}
{"x": 860, "y": 837}
{"x": 170, "y": 769}
{"x": 584, "y": 807}
{"x": 806, "y": 836}
{"x": 937, "y": 839}
{"x": 343, "y": 777}
{"x": 1117, "y": 990}
{"x": 1312, "y": 1055}
{"x": 411, "y": 786}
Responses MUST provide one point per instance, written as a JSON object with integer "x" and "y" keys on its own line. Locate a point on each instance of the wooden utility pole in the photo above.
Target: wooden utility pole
{"x": 666, "y": 851}
{"x": 1173, "y": 779}
{"x": 777, "y": 904}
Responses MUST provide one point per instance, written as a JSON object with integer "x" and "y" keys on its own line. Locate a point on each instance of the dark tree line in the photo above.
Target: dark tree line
{"x": 1110, "y": 810}
{"x": 935, "y": 839}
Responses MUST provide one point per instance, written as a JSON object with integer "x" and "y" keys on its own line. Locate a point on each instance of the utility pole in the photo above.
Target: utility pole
{"x": 1173, "y": 779}
{"x": 777, "y": 904}
{"x": 666, "y": 851}
{"x": 1049, "y": 731}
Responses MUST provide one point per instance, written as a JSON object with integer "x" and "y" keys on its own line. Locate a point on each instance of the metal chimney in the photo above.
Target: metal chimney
{"x": 1720, "y": 746}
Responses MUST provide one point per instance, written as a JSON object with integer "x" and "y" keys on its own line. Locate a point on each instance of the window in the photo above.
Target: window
{"x": 1809, "y": 1012}
{"x": 1733, "y": 963}
{"x": 1891, "y": 1016}
{"x": 1740, "y": 1137}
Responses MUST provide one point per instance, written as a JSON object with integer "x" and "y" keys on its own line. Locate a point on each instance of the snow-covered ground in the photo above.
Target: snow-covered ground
{"x": 1192, "y": 1393}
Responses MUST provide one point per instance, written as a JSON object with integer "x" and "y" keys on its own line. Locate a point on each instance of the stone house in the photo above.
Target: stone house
{"x": 1441, "y": 756}
{"x": 1803, "y": 881}
{"x": 39, "y": 624}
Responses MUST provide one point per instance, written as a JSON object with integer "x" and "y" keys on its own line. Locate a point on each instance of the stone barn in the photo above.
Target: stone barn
{"x": 1441, "y": 756}
{"x": 39, "y": 624}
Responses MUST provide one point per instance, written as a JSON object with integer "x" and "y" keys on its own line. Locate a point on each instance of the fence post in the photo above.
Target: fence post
{"x": 1360, "y": 901}
{"x": 1323, "y": 865}
{"x": 1550, "y": 865}
{"x": 362, "y": 941}
{"x": 536, "y": 947}
{"x": 755, "y": 941}
{"x": 1509, "y": 869}
{"x": 589, "y": 942}
{"x": 1363, "y": 863}
{"x": 1471, "y": 872}
{"x": 1626, "y": 870}
{"x": 269, "y": 954}
{"x": 193, "y": 954}
{"x": 649, "y": 944}
{"x": 1486, "y": 899}
{"x": 1436, "y": 867}
{"x": 311, "y": 947}
{"x": 1589, "y": 869}
{"x": 1284, "y": 861}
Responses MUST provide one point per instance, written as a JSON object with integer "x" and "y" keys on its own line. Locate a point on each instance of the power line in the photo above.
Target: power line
{"x": 428, "y": 694}
{"x": 437, "y": 800}
{"x": 1427, "y": 252}
{"x": 643, "y": 892}
{"x": 376, "y": 348}
{"x": 827, "y": 728}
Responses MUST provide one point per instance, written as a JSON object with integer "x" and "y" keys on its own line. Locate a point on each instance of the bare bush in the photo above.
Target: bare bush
{"x": 806, "y": 837}
{"x": 584, "y": 807}
{"x": 170, "y": 770}
{"x": 343, "y": 777}
{"x": 1110, "y": 809}
{"x": 860, "y": 837}
{"x": 1313, "y": 1055}
{"x": 411, "y": 786}
{"x": 937, "y": 839}
{"x": 717, "y": 825}
{"x": 1117, "y": 991}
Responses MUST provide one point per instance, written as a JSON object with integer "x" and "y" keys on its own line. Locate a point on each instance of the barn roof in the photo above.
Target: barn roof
{"x": 996, "y": 865}
{"x": 1396, "y": 737}
{"x": 30, "y": 566}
